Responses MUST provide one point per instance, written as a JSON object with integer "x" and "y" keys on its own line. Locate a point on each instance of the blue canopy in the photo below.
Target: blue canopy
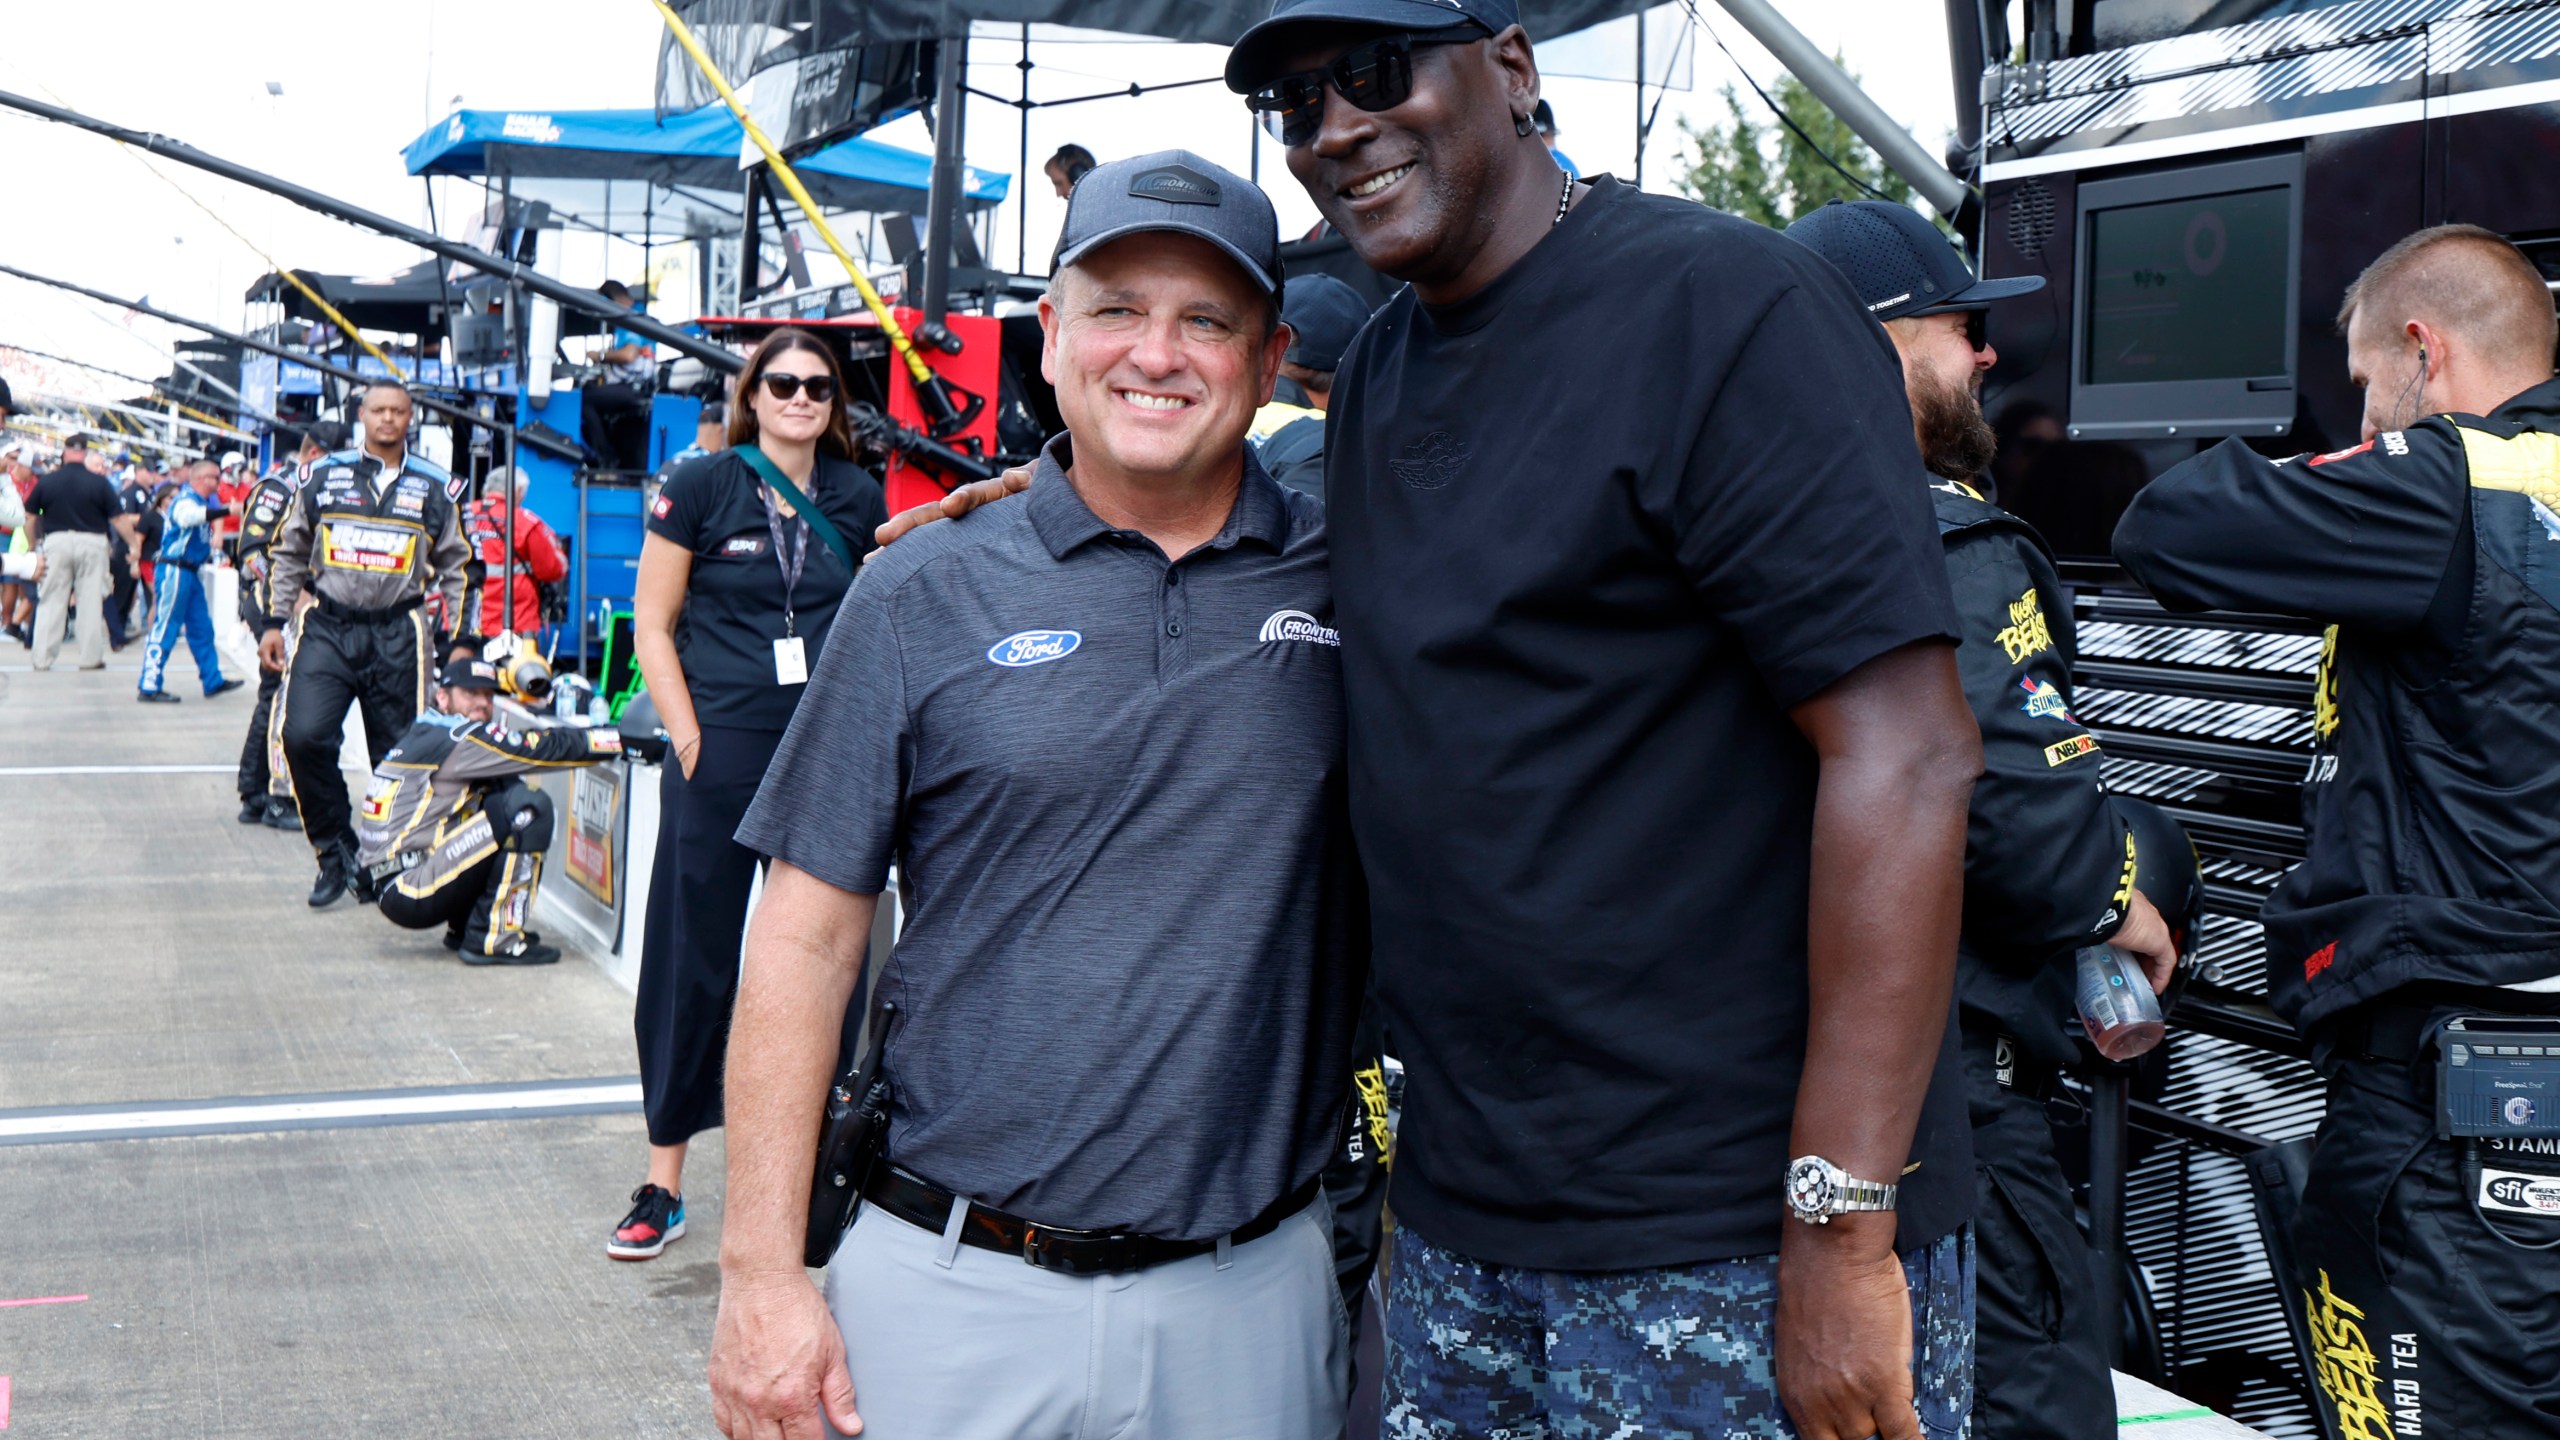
{"x": 698, "y": 150}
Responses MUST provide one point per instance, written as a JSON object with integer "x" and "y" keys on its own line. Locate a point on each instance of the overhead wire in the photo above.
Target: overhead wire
{"x": 278, "y": 267}
{"x": 1699, "y": 20}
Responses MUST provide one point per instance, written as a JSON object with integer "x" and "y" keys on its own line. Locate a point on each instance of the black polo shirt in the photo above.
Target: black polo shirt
{"x": 733, "y": 604}
{"x": 1112, "y": 784}
{"x": 1595, "y": 530}
{"x": 72, "y": 498}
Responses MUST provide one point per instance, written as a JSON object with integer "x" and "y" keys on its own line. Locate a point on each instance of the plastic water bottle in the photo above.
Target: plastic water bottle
{"x": 2117, "y": 1007}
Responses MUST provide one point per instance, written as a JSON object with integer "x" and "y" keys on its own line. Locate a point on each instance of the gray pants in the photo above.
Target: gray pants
{"x": 950, "y": 1342}
{"x": 75, "y": 567}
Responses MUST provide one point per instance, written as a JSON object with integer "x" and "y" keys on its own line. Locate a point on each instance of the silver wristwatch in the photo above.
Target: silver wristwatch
{"x": 1818, "y": 1190}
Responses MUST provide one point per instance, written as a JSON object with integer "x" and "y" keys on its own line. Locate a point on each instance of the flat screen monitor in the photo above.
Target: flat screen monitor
{"x": 2187, "y": 300}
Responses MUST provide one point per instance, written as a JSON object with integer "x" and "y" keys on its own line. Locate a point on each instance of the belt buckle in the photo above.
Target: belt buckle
{"x": 1047, "y": 1248}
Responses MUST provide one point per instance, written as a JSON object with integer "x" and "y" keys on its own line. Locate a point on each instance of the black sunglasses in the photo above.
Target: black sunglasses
{"x": 821, "y": 388}
{"x": 1977, "y": 329}
{"x": 1374, "y": 75}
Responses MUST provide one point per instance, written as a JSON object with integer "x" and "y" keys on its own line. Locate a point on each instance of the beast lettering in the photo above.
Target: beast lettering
{"x": 2345, "y": 1366}
{"x": 2027, "y": 634}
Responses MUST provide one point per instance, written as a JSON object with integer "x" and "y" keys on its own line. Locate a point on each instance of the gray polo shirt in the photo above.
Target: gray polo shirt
{"x": 1114, "y": 788}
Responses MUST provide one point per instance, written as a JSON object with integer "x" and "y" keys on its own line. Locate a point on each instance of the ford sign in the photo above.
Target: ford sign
{"x": 1033, "y": 647}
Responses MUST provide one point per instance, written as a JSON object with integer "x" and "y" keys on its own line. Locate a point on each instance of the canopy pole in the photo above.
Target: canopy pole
{"x": 942, "y": 203}
{"x": 1639, "y": 19}
{"x": 1022, "y": 167}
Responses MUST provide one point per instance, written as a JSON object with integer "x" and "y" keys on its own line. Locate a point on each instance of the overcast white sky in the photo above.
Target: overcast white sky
{"x": 359, "y": 85}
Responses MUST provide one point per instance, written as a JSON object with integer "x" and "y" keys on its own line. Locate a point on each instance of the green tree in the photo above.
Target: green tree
{"x": 1767, "y": 172}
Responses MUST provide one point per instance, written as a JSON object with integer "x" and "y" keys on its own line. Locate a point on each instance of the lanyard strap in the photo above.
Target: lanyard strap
{"x": 810, "y": 514}
{"x": 791, "y": 558}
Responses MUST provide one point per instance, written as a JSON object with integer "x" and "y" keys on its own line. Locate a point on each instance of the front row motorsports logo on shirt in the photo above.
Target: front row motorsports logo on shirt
{"x": 1033, "y": 647}
{"x": 1299, "y": 625}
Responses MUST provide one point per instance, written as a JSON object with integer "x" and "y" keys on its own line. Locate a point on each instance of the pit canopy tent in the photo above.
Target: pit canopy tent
{"x": 819, "y": 42}
{"x": 690, "y": 160}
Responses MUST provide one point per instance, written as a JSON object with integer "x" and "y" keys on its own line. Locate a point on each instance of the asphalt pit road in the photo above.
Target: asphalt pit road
{"x": 698, "y": 1281}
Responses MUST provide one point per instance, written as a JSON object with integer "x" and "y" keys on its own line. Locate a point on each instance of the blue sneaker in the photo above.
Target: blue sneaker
{"x": 656, "y": 1217}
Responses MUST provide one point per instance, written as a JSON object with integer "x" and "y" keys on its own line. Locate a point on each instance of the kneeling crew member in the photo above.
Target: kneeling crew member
{"x": 2050, "y": 858}
{"x": 372, "y": 533}
{"x": 2431, "y": 886}
{"x": 1060, "y": 1241}
{"x": 451, "y": 836}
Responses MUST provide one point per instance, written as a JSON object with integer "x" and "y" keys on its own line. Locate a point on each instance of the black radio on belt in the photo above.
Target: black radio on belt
{"x": 2498, "y": 1075}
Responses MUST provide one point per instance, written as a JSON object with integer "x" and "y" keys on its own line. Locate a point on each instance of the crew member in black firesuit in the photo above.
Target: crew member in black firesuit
{"x": 2431, "y": 888}
{"x": 266, "y": 794}
{"x": 452, "y": 836}
{"x": 372, "y": 533}
{"x": 1324, "y": 316}
{"x": 2050, "y": 857}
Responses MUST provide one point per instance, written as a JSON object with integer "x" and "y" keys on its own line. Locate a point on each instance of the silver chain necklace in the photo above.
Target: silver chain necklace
{"x": 1564, "y": 202}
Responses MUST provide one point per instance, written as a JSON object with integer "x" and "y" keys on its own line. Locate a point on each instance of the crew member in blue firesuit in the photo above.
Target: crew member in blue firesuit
{"x": 186, "y": 547}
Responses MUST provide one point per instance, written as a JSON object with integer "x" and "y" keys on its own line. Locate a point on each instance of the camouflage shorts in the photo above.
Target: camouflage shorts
{"x": 1484, "y": 1352}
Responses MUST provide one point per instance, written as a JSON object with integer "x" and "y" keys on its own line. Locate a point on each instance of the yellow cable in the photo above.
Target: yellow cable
{"x": 922, "y": 373}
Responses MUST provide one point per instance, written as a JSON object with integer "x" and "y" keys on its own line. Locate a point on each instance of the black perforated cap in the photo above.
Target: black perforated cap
{"x": 1898, "y": 262}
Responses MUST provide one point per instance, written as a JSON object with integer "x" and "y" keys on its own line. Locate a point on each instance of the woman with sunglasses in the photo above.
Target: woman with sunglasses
{"x": 739, "y": 581}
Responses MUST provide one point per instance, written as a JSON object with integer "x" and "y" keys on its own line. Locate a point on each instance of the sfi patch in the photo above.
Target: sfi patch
{"x": 2518, "y": 1193}
{"x": 2070, "y": 750}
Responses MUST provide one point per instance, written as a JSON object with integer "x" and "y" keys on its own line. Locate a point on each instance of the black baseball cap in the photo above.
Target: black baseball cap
{"x": 1326, "y": 314}
{"x": 1178, "y": 191}
{"x": 469, "y": 675}
{"x": 1898, "y": 262}
{"x": 1259, "y": 52}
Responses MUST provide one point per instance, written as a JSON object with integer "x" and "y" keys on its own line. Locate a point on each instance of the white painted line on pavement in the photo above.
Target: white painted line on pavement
{"x": 318, "y": 1112}
{"x": 7, "y": 771}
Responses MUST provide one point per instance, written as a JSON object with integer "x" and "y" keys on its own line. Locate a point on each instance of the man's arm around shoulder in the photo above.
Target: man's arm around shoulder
{"x": 776, "y": 1355}
{"x": 1899, "y": 754}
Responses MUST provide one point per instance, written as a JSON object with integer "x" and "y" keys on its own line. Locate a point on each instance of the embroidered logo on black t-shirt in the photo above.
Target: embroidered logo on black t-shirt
{"x": 1432, "y": 461}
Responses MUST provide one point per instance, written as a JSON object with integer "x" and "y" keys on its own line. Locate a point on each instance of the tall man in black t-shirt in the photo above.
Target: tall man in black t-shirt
{"x": 1662, "y": 798}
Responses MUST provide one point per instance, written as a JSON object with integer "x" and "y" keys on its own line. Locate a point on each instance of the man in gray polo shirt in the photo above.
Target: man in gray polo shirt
{"x": 1098, "y": 728}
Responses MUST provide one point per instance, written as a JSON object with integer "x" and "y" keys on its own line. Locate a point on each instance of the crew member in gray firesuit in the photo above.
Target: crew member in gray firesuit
{"x": 449, "y": 832}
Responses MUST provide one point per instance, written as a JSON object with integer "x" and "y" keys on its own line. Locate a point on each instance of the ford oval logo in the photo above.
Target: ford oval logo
{"x": 1033, "y": 647}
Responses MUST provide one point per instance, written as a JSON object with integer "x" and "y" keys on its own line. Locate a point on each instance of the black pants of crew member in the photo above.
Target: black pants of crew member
{"x": 120, "y": 594}
{"x": 378, "y": 663}
{"x": 257, "y": 779}
{"x": 697, "y": 917}
{"x": 488, "y": 902}
{"x": 2039, "y": 1347}
{"x": 613, "y": 418}
{"x": 2424, "y": 1320}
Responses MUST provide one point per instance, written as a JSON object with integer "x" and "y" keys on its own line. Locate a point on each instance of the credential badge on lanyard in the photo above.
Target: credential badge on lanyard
{"x": 790, "y": 654}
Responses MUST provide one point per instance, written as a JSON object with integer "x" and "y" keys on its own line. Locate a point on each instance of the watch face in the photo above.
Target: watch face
{"x": 1810, "y": 1190}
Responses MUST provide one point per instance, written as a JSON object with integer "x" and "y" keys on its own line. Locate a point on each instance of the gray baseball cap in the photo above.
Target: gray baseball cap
{"x": 1178, "y": 191}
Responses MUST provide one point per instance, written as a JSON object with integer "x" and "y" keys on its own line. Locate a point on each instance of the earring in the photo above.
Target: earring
{"x": 1521, "y": 126}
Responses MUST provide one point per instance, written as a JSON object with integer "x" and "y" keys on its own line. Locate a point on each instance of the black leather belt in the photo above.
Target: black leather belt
{"x": 1070, "y": 1252}
{"x": 336, "y": 611}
